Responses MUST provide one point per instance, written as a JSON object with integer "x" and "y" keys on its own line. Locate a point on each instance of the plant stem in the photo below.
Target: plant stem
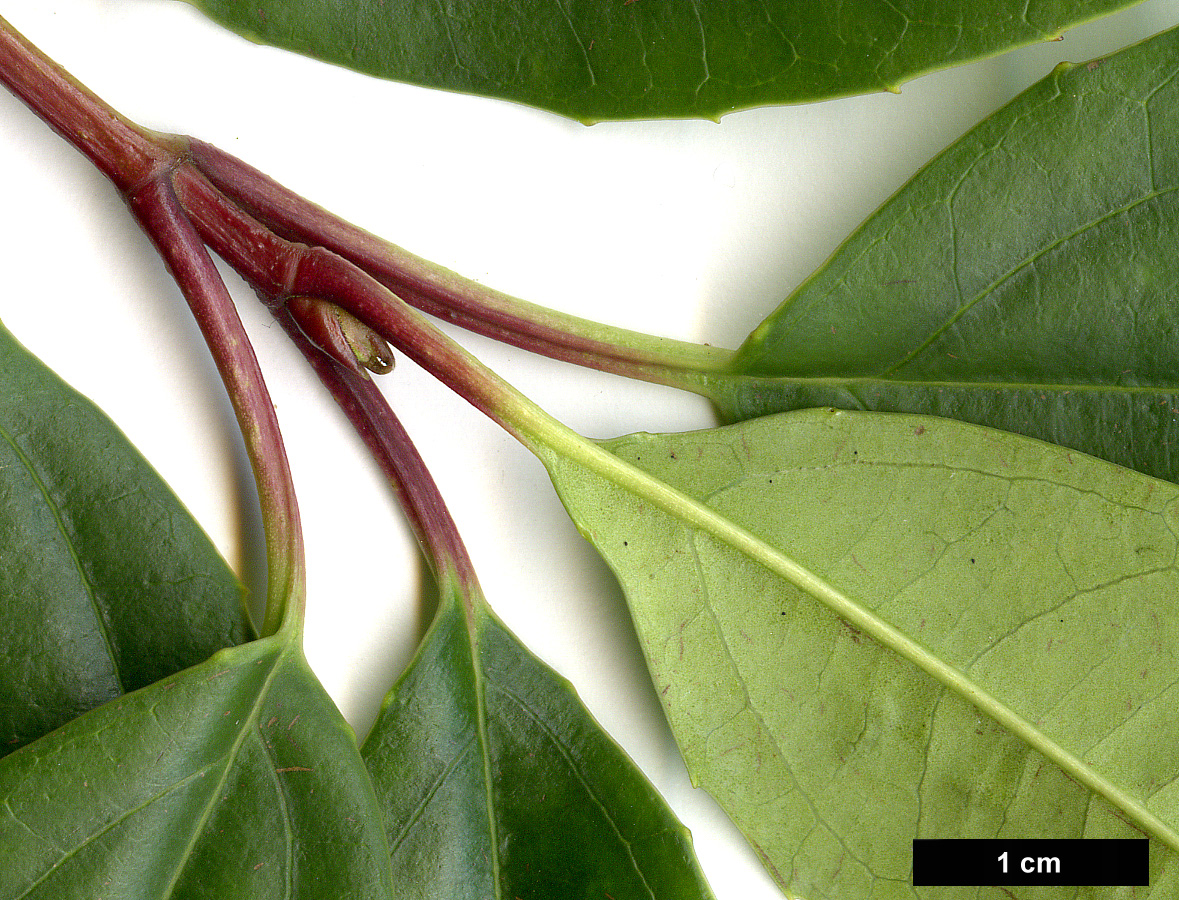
{"x": 158, "y": 211}
{"x": 448, "y": 296}
{"x": 381, "y": 430}
{"x": 556, "y": 445}
{"x": 124, "y": 152}
{"x": 279, "y": 269}
{"x": 142, "y": 166}
{"x": 129, "y": 154}
{"x": 164, "y": 190}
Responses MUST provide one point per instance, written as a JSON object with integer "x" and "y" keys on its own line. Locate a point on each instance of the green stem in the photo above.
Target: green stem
{"x": 129, "y": 155}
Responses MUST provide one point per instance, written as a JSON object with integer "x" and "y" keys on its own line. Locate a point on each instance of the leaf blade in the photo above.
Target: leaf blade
{"x": 1020, "y": 280}
{"x": 183, "y": 811}
{"x": 489, "y": 770}
{"x": 787, "y": 756}
{"x": 89, "y": 615}
{"x": 634, "y": 59}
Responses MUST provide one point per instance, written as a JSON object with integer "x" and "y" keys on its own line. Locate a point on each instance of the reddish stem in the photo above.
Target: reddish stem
{"x": 279, "y": 269}
{"x": 142, "y": 167}
{"x": 157, "y": 209}
{"x": 127, "y": 154}
{"x": 381, "y": 430}
{"x": 448, "y": 296}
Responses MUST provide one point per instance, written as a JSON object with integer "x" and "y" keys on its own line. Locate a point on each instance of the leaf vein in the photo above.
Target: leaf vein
{"x": 428, "y": 796}
{"x": 580, "y": 776}
{"x": 1022, "y": 265}
{"x": 59, "y": 519}
{"x": 246, "y": 728}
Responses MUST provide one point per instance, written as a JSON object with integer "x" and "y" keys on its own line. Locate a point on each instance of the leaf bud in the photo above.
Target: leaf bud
{"x": 341, "y": 335}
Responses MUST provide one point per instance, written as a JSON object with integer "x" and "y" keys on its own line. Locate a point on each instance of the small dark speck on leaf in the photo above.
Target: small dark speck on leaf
{"x": 854, "y": 632}
{"x": 919, "y": 430}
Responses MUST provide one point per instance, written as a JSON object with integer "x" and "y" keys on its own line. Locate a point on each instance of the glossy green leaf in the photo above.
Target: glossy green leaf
{"x": 236, "y": 778}
{"x": 496, "y": 782}
{"x": 869, "y": 628}
{"x": 642, "y": 58}
{"x": 106, "y": 583}
{"x": 1024, "y": 279}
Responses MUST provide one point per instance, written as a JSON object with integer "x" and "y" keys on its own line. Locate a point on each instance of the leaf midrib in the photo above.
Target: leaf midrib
{"x": 965, "y": 305}
{"x": 247, "y": 727}
{"x": 567, "y": 756}
{"x": 978, "y": 385}
{"x": 471, "y": 612}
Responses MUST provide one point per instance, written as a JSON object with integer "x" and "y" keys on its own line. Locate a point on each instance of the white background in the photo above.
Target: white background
{"x": 694, "y": 230}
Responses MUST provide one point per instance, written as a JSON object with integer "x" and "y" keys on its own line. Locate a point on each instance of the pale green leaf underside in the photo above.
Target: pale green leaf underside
{"x": 1024, "y": 279}
{"x": 1045, "y": 578}
{"x": 496, "y": 781}
{"x": 235, "y": 778}
{"x": 641, "y": 58}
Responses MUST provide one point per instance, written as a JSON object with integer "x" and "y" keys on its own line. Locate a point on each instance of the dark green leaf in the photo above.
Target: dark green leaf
{"x": 869, "y": 628}
{"x": 652, "y": 58}
{"x": 1024, "y": 279}
{"x": 106, "y": 583}
{"x": 236, "y": 778}
{"x": 496, "y": 782}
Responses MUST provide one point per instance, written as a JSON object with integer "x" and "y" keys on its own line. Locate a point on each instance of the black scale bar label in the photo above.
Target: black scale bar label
{"x": 1046, "y": 862}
